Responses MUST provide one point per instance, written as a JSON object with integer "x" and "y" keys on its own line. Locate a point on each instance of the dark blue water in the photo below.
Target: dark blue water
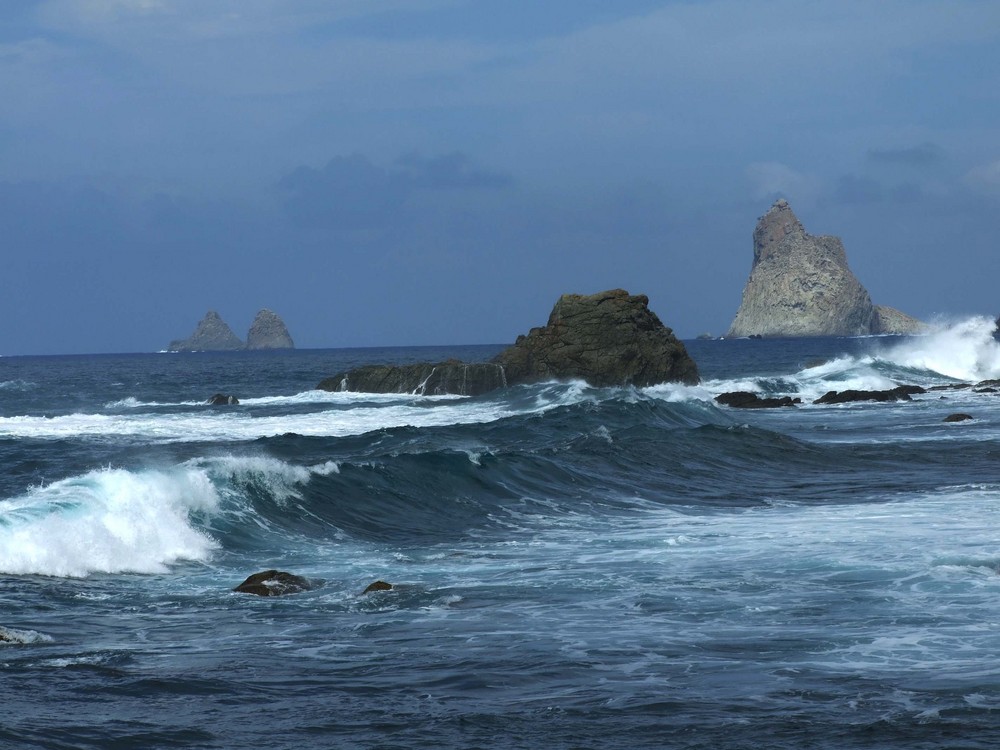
{"x": 572, "y": 567}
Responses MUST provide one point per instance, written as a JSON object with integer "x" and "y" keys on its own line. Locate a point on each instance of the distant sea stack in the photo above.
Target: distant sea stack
{"x": 212, "y": 334}
{"x": 801, "y": 285}
{"x": 268, "y": 331}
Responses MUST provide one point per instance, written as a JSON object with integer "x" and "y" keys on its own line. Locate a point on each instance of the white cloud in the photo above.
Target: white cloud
{"x": 767, "y": 179}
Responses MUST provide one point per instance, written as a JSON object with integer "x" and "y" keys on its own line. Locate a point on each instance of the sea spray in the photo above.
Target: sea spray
{"x": 963, "y": 350}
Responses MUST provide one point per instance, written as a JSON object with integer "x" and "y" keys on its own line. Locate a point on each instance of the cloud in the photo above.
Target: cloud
{"x": 923, "y": 155}
{"x": 773, "y": 180}
{"x": 984, "y": 177}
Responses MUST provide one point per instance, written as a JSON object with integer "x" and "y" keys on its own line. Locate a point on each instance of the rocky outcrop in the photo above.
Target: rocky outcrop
{"x": 889, "y": 320}
{"x": 212, "y": 334}
{"x": 451, "y": 377}
{"x": 273, "y": 583}
{"x": 899, "y": 393}
{"x": 608, "y": 339}
{"x": 268, "y": 331}
{"x": 801, "y": 285}
{"x": 748, "y": 400}
{"x": 377, "y": 586}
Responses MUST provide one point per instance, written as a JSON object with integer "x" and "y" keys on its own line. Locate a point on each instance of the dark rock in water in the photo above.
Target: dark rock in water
{"x": 801, "y": 285}
{"x": 212, "y": 334}
{"x": 451, "y": 377}
{"x": 901, "y": 393}
{"x": 988, "y": 384}
{"x": 221, "y": 399}
{"x": 268, "y": 331}
{"x": 607, "y": 339}
{"x": 378, "y": 586}
{"x": 748, "y": 400}
{"x": 957, "y": 418}
{"x": 951, "y": 387}
{"x": 273, "y": 583}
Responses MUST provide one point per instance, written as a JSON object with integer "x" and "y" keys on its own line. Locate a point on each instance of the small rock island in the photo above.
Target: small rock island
{"x": 607, "y": 339}
{"x": 212, "y": 334}
{"x": 801, "y": 285}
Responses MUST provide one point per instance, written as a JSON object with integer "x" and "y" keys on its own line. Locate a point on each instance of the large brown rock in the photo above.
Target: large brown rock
{"x": 801, "y": 285}
{"x": 608, "y": 339}
{"x": 611, "y": 338}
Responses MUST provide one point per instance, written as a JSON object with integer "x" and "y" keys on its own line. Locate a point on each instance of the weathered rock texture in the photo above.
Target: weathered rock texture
{"x": 801, "y": 285}
{"x": 611, "y": 338}
{"x": 273, "y": 583}
{"x": 607, "y": 339}
{"x": 268, "y": 331}
{"x": 212, "y": 334}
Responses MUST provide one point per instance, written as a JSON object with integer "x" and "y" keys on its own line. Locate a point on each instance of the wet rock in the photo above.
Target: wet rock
{"x": 748, "y": 400}
{"x": 425, "y": 379}
{"x": 378, "y": 586}
{"x": 273, "y": 583}
{"x": 222, "y": 399}
{"x": 957, "y": 418}
{"x": 607, "y": 339}
{"x": 900, "y": 393}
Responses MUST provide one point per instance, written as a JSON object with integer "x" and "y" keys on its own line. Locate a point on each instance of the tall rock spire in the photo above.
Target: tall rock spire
{"x": 212, "y": 334}
{"x": 268, "y": 331}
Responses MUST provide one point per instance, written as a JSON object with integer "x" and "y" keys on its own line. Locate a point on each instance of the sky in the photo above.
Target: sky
{"x": 431, "y": 172}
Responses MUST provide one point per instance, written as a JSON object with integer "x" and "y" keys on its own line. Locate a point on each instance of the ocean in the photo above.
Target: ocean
{"x": 572, "y": 567}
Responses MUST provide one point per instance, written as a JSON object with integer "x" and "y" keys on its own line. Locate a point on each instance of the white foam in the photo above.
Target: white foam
{"x": 10, "y": 636}
{"x": 109, "y": 521}
{"x": 963, "y": 350}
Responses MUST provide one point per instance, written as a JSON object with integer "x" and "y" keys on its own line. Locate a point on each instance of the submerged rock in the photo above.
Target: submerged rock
{"x": 211, "y": 334}
{"x": 608, "y": 339}
{"x": 273, "y": 583}
{"x": 900, "y": 393}
{"x": 801, "y": 285}
{"x": 222, "y": 399}
{"x": 377, "y": 586}
{"x": 749, "y": 400}
{"x": 957, "y": 418}
{"x": 268, "y": 331}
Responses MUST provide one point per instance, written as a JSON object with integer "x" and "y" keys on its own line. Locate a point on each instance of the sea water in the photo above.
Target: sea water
{"x": 572, "y": 567}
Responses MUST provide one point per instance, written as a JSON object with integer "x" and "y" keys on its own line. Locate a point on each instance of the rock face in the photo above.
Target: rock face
{"x": 268, "y": 331}
{"x": 801, "y": 285}
{"x": 212, "y": 334}
{"x": 608, "y": 339}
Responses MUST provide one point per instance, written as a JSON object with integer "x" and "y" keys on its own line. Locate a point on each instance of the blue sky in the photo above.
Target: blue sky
{"x": 390, "y": 172}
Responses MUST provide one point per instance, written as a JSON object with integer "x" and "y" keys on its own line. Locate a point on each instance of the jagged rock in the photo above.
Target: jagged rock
{"x": 273, "y": 583}
{"x": 607, "y": 339}
{"x": 451, "y": 377}
{"x": 268, "y": 331}
{"x": 749, "y": 400}
{"x": 222, "y": 399}
{"x": 212, "y": 334}
{"x": 801, "y": 285}
{"x": 957, "y": 418}
{"x": 378, "y": 586}
{"x": 900, "y": 393}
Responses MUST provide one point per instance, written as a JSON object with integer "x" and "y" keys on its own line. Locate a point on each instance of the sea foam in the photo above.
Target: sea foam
{"x": 963, "y": 350}
{"x": 107, "y": 521}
